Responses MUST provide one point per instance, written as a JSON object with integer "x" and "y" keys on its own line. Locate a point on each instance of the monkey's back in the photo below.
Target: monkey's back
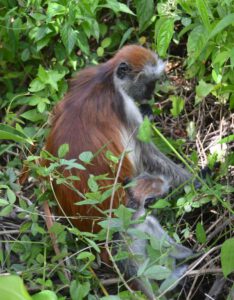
{"x": 86, "y": 120}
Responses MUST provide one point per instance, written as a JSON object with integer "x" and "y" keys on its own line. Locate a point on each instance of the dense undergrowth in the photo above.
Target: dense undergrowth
{"x": 42, "y": 44}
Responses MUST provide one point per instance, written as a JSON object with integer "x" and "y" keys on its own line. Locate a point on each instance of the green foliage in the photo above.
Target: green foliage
{"x": 227, "y": 257}
{"x": 12, "y": 288}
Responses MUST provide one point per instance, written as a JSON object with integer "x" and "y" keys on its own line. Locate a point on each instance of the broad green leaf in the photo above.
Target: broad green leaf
{"x": 11, "y": 196}
{"x": 157, "y": 272}
{"x": 69, "y": 37}
{"x": 106, "y": 42}
{"x": 227, "y": 257}
{"x": 93, "y": 244}
{"x": 36, "y": 85}
{"x": 203, "y": 9}
{"x": 55, "y": 9}
{"x": 3, "y": 202}
{"x": 71, "y": 164}
{"x": 145, "y": 131}
{"x": 126, "y": 35}
{"x": 143, "y": 267}
{"x": 111, "y": 298}
{"x": 63, "y": 150}
{"x": 177, "y": 105}
{"x": 165, "y": 34}
{"x": 87, "y": 202}
{"x": 145, "y": 11}
{"x": 25, "y": 54}
{"x": 86, "y": 156}
{"x": 100, "y": 51}
{"x": 92, "y": 184}
{"x": 124, "y": 214}
{"x": 9, "y": 133}
{"x": 200, "y": 233}
{"x": 202, "y": 90}
{"x": 223, "y": 23}
{"x": 4, "y": 212}
{"x": 161, "y": 204}
{"x": 45, "y": 295}
{"x": 79, "y": 290}
{"x": 117, "y": 6}
{"x": 32, "y": 115}
{"x": 227, "y": 139}
{"x": 232, "y": 57}
{"x": 12, "y": 288}
{"x": 82, "y": 41}
{"x": 196, "y": 41}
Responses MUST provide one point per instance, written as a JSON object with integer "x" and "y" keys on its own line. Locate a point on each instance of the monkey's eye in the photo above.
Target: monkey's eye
{"x": 122, "y": 70}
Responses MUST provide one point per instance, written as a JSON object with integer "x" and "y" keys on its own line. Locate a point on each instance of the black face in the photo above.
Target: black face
{"x": 142, "y": 89}
{"x": 138, "y": 86}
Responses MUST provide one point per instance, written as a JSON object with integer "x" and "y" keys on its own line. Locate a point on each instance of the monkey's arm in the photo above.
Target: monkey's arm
{"x": 155, "y": 162}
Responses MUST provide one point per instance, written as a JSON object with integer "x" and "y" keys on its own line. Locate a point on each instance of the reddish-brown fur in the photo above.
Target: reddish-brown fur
{"x": 87, "y": 119}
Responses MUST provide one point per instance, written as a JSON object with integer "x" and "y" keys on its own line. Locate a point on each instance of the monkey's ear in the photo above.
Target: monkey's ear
{"x": 122, "y": 70}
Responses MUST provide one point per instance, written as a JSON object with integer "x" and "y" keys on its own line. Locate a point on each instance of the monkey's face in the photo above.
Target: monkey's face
{"x": 138, "y": 84}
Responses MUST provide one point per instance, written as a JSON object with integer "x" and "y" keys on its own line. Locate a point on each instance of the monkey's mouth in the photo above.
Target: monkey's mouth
{"x": 150, "y": 87}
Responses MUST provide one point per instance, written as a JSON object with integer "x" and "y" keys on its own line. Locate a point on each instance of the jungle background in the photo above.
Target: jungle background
{"x": 42, "y": 45}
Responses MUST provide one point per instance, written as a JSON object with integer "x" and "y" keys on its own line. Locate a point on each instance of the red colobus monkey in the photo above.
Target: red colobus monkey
{"x": 99, "y": 112}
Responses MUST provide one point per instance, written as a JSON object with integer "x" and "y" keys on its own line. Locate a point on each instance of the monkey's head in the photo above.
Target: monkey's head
{"x": 136, "y": 71}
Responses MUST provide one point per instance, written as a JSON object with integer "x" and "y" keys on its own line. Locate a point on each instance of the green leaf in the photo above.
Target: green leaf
{"x": 100, "y": 51}
{"x": 202, "y": 90}
{"x": 32, "y": 115}
{"x": 200, "y": 233}
{"x": 160, "y": 204}
{"x": 196, "y": 42}
{"x": 45, "y": 295}
{"x": 3, "y": 202}
{"x": 71, "y": 164}
{"x": 92, "y": 184}
{"x": 145, "y": 11}
{"x": 36, "y": 85}
{"x": 12, "y": 288}
{"x": 124, "y": 214}
{"x": 145, "y": 131}
{"x": 69, "y": 37}
{"x": 106, "y": 42}
{"x": 203, "y": 9}
{"x": 126, "y": 36}
{"x": 227, "y": 257}
{"x": 164, "y": 36}
{"x": 25, "y": 54}
{"x": 63, "y": 150}
{"x": 11, "y": 196}
{"x": 117, "y": 7}
{"x": 177, "y": 105}
{"x": 55, "y": 9}
{"x": 111, "y": 298}
{"x": 6, "y": 211}
{"x": 93, "y": 245}
{"x": 79, "y": 290}
{"x": 157, "y": 272}
{"x": 9, "y": 133}
{"x": 85, "y": 255}
{"x": 227, "y": 139}
{"x": 86, "y": 156}
{"x": 226, "y": 21}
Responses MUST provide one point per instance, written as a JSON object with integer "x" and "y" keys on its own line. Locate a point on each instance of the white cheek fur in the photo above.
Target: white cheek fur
{"x": 155, "y": 71}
